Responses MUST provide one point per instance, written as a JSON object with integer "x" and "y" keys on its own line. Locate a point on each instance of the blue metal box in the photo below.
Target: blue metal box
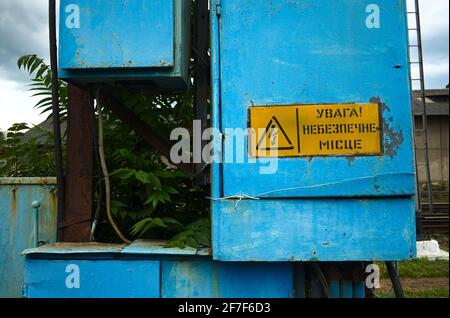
{"x": 299, "y": 53}
{"x": 125, "y": 41}
{"x": 148, "y": 270}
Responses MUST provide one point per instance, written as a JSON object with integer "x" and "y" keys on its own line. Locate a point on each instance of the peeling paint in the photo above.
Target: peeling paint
{"x": 17, "y": 226}
{"x": 392, "y": 138}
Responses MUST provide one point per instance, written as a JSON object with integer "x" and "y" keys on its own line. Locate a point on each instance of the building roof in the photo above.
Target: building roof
{"x": 38, "y": 132}
{"x": 437, "y": 101}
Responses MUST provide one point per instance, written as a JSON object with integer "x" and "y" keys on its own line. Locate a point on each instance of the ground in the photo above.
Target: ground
{"x": 421, "y": 278}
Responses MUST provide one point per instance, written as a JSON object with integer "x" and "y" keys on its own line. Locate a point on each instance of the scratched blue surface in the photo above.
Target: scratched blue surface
{"x": 312, "y": 52}
{"x": 17, "y": 221}
{"x": 126, "y": 40}
{"x": 325, "y": 230}
{"x": 97, "y": 279}
{"x": 111, "y": 271}
{"x": 316, "y": 52}
{"x": 196, "y": 279}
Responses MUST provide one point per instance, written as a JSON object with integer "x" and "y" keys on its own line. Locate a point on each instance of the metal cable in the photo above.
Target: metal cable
{"x": 106, "y": 177}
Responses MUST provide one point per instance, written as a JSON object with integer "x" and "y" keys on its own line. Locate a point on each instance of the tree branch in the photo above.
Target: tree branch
{"x": 147, "y": 133}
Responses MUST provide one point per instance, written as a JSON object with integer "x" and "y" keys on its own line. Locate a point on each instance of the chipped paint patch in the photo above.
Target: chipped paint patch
{"x": 392, "y": 138}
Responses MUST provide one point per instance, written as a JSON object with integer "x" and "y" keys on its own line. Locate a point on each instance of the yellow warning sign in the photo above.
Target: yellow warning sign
{"x": 315, "y": 130}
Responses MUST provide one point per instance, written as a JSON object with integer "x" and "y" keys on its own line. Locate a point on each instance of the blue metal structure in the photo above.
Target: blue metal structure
{"x": 149, "y": 270}
{"x": 105, "y": 41}
{"x": 17, "y": 226}
{"x": 269, "y": 230}
{"x": 321, "y": 208}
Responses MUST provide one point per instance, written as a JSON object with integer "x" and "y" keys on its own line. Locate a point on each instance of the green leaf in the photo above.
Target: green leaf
{"x": 203, "y": 237}
{"x": 164, "y": 197}
{"x": 151, "y": 199}
{"x": 170, "y": 190}
{"x": 191, "y": 242}
{"x": 159, "y": 222}
{"x": 138, "y": 227}
{"x": 172, "y": 174}
{"x": 123, "y": 174}
{"x": 41, "y": 71}
{"x": 148, "y": 178}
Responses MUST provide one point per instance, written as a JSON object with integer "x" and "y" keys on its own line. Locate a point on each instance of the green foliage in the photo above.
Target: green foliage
{"x": 24, "y": 158}
{"x": 196, "y": 234}
{"x": 159, "y": 201}
{"x": 151, "y": 200}
{"x": 42, "y": 84}
{"x": 33, "y": 156}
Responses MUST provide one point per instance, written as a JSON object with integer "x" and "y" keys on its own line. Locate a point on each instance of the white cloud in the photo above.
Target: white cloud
{"x": 16, "y": 105}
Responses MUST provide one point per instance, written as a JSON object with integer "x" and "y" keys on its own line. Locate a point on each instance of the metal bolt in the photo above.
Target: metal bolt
{"x": 36, "y": 205}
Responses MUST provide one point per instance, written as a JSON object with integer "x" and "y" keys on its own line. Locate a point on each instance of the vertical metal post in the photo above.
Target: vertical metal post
{"x": 299, "y": 281}
{"x": 359, "y": 290}
{"x": 334, "y": 288}
{"x": 202, "y": 73}
{"x": 55, "y": 113}
{"x": 80, "y": 157}
{"x": 346, "y": 289}
{"x": 395, "y": 279}
{"x": 36, "y": 205}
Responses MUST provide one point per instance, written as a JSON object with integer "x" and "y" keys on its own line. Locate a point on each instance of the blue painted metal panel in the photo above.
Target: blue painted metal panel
{"x": 314, "y": 230}
{"x": 95, "y": 270}
{"x": 334, "y": 288}
{"x": 312, "y": 52}
{"x": 91, "y": 279}
{"x": 359, "y": 290}
{"x": 226, "y": 280}
{"x": 117, "y": 34}
{"x": 140, "y": 40}
{"x": 316, "y": 52}
{"x": 17, "y": 221}
{"x": 346, "y": 289}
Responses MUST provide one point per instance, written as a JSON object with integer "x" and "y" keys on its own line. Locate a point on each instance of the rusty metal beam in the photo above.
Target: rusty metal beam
{"x": 147, "y": 133}
{"x": 202, "y": 76}
{"x": 76, "y": 226}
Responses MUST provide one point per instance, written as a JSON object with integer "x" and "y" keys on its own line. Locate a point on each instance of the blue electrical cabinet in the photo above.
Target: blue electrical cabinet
{"x": 139, "y": 41}
{"x": 148, "y": 270}
{"x": 325, "y": 87}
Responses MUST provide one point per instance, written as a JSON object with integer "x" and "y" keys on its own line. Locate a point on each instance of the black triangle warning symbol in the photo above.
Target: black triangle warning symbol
{"x": 272, "y": 132}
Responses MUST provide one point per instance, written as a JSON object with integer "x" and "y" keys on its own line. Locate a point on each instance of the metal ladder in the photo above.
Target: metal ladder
{"x": 416, "y": 28}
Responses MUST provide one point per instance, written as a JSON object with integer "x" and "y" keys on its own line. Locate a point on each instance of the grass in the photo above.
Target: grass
{"x": 412, "y": 293}
{"x": 419, "y": 268}
{"x": 431, "y": 293}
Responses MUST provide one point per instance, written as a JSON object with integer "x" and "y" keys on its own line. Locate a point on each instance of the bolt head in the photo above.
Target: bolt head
{"x": 36, "y": 204}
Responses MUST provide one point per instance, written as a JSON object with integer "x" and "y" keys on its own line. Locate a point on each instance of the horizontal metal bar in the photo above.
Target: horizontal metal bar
{"x": 27, "y": 181}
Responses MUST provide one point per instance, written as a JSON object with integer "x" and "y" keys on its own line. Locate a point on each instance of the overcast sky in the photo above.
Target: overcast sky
{"x": 23, "y": 30}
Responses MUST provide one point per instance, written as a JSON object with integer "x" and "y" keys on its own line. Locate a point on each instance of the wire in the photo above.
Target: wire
{"x": 55, "y": 113}
{"x": 106, "y": 177}
{"x": 99, "y": 185}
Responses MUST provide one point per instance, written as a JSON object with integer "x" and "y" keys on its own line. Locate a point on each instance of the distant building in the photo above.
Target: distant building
{"x": 437, "y": 103}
